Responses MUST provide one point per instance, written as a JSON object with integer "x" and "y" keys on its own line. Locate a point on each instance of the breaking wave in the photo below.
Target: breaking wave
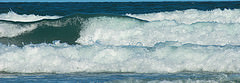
{"x": 165, "y": 57}
{"x": 116, "y": 31}
{"x": 189, "y": 40}
{"x": 216, "y": 27}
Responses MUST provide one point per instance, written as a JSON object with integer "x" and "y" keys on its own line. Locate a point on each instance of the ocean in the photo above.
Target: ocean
{"x": 120, "y": 42}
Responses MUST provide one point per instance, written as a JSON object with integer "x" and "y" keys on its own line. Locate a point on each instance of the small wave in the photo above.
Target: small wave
{"x": 12, "y": 16}
{"x": 191, "y": 16}
{"x": 64, "y": 58}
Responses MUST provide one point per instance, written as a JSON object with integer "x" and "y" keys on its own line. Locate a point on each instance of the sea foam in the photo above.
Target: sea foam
{"x": 165, "y": 57}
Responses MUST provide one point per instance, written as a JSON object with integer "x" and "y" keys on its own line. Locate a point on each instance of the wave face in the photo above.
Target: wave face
{"x": 167, "y": 57}
{"x": 112, "y": 43}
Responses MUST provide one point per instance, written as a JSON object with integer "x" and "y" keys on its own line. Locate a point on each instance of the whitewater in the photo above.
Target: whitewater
{"x": 128, "y": 44}
{"x": 204, "y": 43}
{"x": 165, "y": 57}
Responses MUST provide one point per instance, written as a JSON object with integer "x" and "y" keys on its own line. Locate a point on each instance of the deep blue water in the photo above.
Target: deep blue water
{"x": 116, "y": 42}
{"x": 70, "y": 8}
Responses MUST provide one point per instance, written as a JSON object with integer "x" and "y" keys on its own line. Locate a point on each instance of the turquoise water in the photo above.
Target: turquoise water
{"x": 131, "y": 42}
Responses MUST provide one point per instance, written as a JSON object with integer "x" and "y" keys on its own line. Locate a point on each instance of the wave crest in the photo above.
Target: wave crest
{"x": 193, "y": 16}
{"x": 12, "y": 16}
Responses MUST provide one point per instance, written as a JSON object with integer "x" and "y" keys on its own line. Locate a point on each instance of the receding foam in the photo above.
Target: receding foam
{"x": 162, "y": 58}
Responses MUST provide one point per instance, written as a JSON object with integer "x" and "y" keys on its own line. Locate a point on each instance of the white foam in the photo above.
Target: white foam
{"x": 12, "y": 30}
{"x": 126, "y": 31}
{"x": 12, "y": 16}
{"x": 193, "y": 16}
{"x": 63, "y": 58}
